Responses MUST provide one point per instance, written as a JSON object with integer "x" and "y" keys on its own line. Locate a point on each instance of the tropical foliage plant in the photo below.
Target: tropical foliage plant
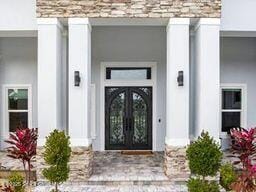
{"x": 16, "y": 180}
{"x": 23, "y": 144}
{"x": 244, "y": 148}
{"x": 227, "y": 176}
{"x": 56, "y": 155}
{"x": 6, "y": 188}
{"x": 199, "y": 185}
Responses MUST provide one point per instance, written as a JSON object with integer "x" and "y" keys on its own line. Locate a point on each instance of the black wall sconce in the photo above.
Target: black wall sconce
{"x": 77, "y": 78}
{"x": 180, "y": 78}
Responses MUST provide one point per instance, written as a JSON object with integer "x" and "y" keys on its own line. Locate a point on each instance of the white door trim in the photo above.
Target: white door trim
{"x": 93, "y": 111}
{"x": 104, "y": 82}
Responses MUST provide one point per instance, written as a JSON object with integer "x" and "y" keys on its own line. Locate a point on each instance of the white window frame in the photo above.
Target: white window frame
{"x": 6, "y": 110}
{"x": 243, "y": 109}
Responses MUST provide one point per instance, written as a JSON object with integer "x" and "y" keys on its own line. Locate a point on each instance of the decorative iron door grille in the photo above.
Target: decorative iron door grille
{"x": 128, "y": 118}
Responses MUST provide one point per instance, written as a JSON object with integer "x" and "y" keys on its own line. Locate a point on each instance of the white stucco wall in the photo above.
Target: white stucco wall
{"x": 131, "y": 44}
{"x": 238, "y": 65}
{"x": 18, "y": 15}
{"x": 238, "y": 15}
{"x": 18, "y": 65}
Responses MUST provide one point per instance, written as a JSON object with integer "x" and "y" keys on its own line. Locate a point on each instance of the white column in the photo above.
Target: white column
{"x": 177, "y": 111}
{"x": 49, "y": 76}
{"x": 79, "y": 96}
{"x": 207, "y": 76}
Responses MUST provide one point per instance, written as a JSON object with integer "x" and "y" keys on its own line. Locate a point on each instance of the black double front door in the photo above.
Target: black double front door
{"x": 128, "y": 118}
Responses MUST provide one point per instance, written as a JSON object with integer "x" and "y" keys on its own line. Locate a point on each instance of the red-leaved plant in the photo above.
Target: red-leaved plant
{"x": 23, "y": 144}
{"x": 6, "y": 188}
{"x": 243, "y": 146}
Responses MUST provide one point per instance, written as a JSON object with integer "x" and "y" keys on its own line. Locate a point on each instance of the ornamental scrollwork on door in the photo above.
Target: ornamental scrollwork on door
{"x": 116, "y": 114}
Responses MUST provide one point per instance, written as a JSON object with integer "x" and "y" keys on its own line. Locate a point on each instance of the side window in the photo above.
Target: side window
{"x": 232, "y": 111}
{"x": 18, "y": 108}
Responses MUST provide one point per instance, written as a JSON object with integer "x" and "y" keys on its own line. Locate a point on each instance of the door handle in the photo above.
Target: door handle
{"x": 126, "y": 124}
{"x": 130, "y": 123}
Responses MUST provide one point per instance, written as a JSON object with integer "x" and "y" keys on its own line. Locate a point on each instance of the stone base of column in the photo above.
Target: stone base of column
{"x": 81, "y": 162}
{"x": 40, "y": 164}
{"x": 175, "y": 163}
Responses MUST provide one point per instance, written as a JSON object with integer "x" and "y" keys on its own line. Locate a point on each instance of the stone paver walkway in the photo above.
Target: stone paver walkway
{"x": 94, "y": 188}
{"x": 114, "y": 166}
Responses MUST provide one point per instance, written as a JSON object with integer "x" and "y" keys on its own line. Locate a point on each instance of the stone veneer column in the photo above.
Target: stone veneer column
{"x": 79, "y": 98}
{"x": 177, "y": 112}
{"x": 49, "y": 82}
{"x": 207, "y": 105}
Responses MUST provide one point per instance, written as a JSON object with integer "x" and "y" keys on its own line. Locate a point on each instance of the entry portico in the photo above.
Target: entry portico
{"x": 183, "y": 37}
{"x": 127, "y": 75}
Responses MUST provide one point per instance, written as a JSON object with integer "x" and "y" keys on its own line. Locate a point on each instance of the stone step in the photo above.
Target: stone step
{"x": 124, "y": 188}
{"x": 121, "y": 183}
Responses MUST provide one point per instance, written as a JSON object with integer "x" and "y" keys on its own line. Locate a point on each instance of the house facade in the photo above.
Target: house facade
{"x": 127, "y": 74}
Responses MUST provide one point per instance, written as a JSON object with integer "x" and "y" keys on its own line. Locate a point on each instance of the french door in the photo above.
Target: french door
{"x": 128, "y": 118}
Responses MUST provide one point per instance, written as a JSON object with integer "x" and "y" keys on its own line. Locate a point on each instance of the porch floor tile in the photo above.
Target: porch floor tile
{"x": 114, "y": 166}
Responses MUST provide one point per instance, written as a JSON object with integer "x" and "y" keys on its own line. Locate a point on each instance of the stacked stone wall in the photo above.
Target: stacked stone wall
{"x": 129, "y": 8}
{"x": 176, "y": 164}
{"x": 80, "y": 164}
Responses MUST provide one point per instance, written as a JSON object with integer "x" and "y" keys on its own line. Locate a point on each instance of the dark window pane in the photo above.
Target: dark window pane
{"x": 230, "y": 120}
{"x": 17, "y": 120}
{"x": 128, "y": 73}
{"x": 18, "y": 99}
{"x": 231, "y": 99}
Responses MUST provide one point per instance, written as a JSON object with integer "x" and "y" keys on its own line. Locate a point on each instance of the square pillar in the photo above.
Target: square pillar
{"x": 49, "y": 83}
{"x": 49, "y": 76}
{"x": 207, "y": 69}
{"x": 177, "y": 111}
{"x": 79, "y": 98}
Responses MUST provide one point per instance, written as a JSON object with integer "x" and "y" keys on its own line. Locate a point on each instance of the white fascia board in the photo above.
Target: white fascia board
{"x": 49, "y": 21}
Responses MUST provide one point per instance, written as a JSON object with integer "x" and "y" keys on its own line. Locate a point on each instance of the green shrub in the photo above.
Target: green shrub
{"x": 204, "y": 156}
{"x": 227, "y": 176}
{"x": 198, "y": 185}
{"x": 16, "y": 180}
{"x": 57, "y": 153}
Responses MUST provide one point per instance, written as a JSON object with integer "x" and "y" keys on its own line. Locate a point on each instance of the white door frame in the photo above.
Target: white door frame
{"x": 104, "y": 82}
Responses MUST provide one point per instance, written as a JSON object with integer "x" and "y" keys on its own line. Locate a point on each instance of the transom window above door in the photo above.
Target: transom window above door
{"x": 18, "y": 107}
{"x": 232, "y": 107}
{"x": 128, "y": 73}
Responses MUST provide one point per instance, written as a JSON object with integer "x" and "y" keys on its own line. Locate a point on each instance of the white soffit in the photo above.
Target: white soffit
{"x": 128, "y": 21}
{"x": 238, "y": 33}
{"x": 18, "y": 33}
